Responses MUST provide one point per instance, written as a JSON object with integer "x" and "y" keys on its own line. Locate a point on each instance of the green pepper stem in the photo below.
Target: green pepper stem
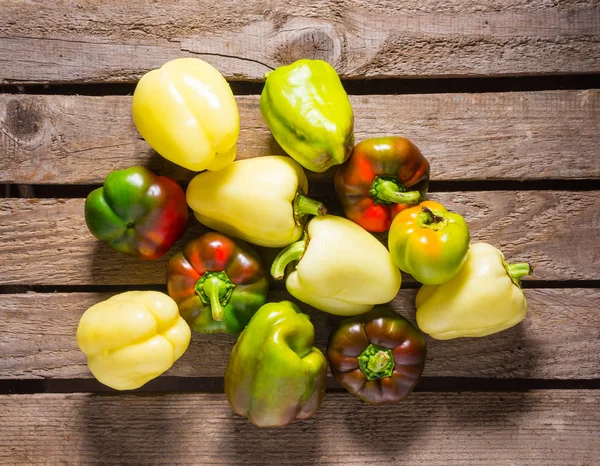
{"x": 376, "y": 362}
{"x": 391, "y": 191}
{"x": 429, "y": 219}
{"x": 306, "y": 206}
{"x": 518, "y": 271}
{"x": 215, "y": 288}
{"x": 291, "y": 253}
{"x": 431, "y": 216}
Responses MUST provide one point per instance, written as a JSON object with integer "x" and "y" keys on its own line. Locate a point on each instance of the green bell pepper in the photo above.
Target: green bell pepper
{"x": 275, "y": 375}
{"x": 309, "y": 113}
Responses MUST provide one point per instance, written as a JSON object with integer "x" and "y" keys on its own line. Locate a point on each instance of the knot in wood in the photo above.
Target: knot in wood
{"x": 23, "y": 118}
{"x": 317, "y": 41}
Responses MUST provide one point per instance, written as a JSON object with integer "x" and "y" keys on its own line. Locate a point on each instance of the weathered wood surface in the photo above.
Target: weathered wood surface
{"x": 538, "y": 427}
{"x": 560, "y": 338}
{"x": 99, "y": 41}
{"x": 46, "y": 241}
{"x": 517, "y": 136}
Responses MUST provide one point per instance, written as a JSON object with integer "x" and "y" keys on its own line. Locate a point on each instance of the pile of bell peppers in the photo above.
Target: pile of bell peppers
{"x": 218, "y": 283}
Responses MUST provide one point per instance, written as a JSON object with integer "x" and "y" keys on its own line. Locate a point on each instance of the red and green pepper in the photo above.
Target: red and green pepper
{"x": 218, "y": 283}
{"x": 429, "y": 242}
{"x": 382, "y": 177}
{"x": 137, "y": 212}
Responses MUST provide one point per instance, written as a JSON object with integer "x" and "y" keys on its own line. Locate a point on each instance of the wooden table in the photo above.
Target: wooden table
{"x": 510, "y": 123}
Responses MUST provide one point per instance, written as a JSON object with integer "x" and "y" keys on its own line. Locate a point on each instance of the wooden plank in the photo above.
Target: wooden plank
{"x": 560, "y": 339}
{"x": 517, "y": 136}
{"x": 46, "y": 241}
{"x": 110, "y": 42}
{"x": 538, "y": 427}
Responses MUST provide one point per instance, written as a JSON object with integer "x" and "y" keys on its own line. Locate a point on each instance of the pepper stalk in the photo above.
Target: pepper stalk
{"x": 292, "y": 253}
{"x": 376, "y": 362}
{"x": 215, "y": 288}
{"x": 388, "y": 190}
{"x": 304, "y": 206}
{"x": 517, "y": 271}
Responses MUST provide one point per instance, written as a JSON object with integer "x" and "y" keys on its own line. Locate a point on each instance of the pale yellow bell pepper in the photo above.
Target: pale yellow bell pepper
{"x": 341, "y": 268}
{"x": 484, "y": 297}
{"x": 186, "y": 111}
{"x": 259, "y": 200}
{"x": 132, "y": 338}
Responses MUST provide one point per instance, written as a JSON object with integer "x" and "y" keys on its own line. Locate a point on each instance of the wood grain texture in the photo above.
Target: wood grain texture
{"x": 538, "y": 427}
{"x": 46, "y": 241}
{"x": 110, "y": 41}
{"x": 516, "y": 136}
{"x": 560, "y": 338}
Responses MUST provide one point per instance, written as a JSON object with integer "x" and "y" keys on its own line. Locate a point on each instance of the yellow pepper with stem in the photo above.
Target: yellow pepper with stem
{"x": 262, "y": 200}
{"x": 132, "y": 338}
{"x": 186, "y": 111}
{"x": 484, "y": 297}
{"x": 340, "y": 268}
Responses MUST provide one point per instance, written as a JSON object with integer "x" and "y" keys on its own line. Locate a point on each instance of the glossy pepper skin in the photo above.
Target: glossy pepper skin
{"x": 132, "y": 338}
{"x": 137, "y": 212}
{"x": 275, "y": 373}
{"x": 429, "y": 242}
{"x": 186, "y": 111}
{"x": 262, "y": 200}
{"x": 309, "y": 113}
{"x": 378, "y": 357}
{"x": 218, "y": 283}
{"x": 382, "y": 177}
{"x": 339, "y": 268}
{"x": 484, "y": 297}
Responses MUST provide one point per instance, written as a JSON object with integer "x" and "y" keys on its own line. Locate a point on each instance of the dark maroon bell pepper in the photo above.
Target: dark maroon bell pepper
{"x": 378, "y": 356}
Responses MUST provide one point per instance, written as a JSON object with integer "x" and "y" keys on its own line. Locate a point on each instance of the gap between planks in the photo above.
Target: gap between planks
{"x": 319, "y": 186}
{"x": 174, "y": 384}
{"x": 383, "y": 86}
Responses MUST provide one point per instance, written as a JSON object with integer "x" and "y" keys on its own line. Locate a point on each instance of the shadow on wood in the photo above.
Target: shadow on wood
{"x": 110, "y": 266}
{"x": 161, "y": 166}
{"x": 252, "y": 443}
{"x": 114, "y": 428}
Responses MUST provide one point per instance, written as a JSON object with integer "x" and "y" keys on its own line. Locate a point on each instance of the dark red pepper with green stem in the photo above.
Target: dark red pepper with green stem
{"x": 218, "y": 283}
{"x": 382, "y": 177}
{"x": 378, "y": 356}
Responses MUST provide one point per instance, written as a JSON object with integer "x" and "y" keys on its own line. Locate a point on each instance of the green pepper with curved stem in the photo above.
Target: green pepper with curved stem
{"x": 217, "y": 283}
{"x": 275, "y": 374}
{"x": 378, "y": 357}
